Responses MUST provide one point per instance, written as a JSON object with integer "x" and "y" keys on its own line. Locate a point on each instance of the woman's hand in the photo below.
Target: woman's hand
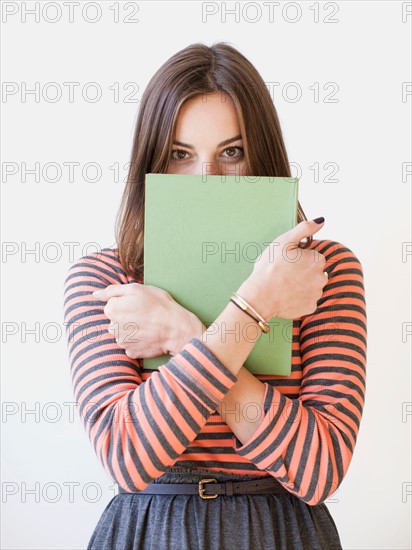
{"x": 287, "y": 281}
{"x": 146, "y": 321}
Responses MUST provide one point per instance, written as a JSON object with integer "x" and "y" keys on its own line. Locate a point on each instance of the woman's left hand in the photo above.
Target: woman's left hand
{"x": 146, "y": 321}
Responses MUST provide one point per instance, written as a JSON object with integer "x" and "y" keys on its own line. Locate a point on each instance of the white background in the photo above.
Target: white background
{"x": 366, "y": 52}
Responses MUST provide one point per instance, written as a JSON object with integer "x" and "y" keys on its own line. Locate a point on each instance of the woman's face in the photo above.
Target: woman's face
{"x": 207, "y": 139}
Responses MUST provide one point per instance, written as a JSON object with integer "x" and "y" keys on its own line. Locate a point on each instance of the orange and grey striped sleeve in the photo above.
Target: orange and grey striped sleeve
{"x": 307, "y": 443}
{"x": 137, "y": 428}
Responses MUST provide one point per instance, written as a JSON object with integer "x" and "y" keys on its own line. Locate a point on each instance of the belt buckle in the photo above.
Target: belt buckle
{"x": 202, "y": 490}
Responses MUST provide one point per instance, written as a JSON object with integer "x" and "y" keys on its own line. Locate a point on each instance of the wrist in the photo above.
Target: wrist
{"x": 194, "y": 328}
{"x": 255, "y": 294}
{"x": 187, "y": 326}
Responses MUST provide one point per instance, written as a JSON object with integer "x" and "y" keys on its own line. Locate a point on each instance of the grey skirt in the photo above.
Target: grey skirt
{"x": 187, "y": 522}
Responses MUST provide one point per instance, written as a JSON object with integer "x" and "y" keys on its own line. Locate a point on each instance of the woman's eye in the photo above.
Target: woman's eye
{"x": 178, "y": 154}
{"x": 232, "y": 153}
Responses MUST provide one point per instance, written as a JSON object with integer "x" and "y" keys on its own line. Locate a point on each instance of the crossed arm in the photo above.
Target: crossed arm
{"x": 140, "y": 428}
{"x": 247, "y": 389}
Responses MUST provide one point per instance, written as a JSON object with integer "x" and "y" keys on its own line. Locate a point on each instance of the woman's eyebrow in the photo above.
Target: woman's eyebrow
{"x": 225, "y": 142}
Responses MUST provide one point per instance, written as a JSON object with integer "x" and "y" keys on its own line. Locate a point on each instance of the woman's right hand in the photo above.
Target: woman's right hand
{"x": 287, "y": 281}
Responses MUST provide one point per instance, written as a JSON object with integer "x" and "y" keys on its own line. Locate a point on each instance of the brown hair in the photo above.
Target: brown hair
{"x": 195, "y": 70}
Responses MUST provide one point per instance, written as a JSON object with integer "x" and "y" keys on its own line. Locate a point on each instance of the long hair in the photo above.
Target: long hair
{"x": 193, "y": 71}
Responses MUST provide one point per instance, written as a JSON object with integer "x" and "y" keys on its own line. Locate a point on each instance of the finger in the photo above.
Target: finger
{"x": 302, "y": 230}
{"x": 113, "y": 330}
{"x": 113, "y": 291}
{"x": 326, "y": 277}
{"x": 318, "y": 257}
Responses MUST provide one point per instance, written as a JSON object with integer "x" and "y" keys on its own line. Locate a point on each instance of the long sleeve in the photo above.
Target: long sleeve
{"x": 137, "y": 428}
{"x": 307, "y": 443}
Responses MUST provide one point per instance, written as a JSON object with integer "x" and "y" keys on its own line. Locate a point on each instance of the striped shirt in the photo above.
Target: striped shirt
{"x": 141, "y": 422}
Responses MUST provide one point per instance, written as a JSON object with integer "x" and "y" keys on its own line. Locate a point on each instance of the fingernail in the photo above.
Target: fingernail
{"x": 319, "y": 220}
{"x": 96, "y": 292}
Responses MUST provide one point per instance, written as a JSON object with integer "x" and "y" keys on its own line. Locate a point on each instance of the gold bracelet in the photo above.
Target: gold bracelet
{"x": 247, "y": 308}
{"x": 244, "y": 310}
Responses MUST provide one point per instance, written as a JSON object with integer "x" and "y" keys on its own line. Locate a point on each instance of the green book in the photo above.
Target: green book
{"x": 202, "y": 235}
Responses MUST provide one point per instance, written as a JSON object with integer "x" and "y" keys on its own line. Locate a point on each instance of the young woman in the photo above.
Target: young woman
{"x": 185, "y": 423}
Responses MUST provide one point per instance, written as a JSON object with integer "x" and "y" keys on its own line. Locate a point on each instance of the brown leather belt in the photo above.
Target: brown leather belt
{"x": 211, "y": 488}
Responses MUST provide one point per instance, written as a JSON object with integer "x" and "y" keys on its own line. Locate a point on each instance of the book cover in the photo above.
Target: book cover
{"x": 202, "y": 235}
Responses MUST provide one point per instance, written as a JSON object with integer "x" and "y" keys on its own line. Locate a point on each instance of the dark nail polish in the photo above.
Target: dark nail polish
{"x": 319, "y": 220}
